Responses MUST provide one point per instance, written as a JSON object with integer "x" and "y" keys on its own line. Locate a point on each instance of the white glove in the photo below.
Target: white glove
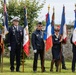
{"x": 3, "y": 36}
{"x": 9, "y": 48}
{"x": 35, "y": 51}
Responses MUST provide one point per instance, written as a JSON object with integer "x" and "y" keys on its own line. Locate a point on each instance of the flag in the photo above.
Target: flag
{"x": 74, "y": 32}
{"x": 47, "y": 33}
{"x": 63, "y": 29}
{"x": 5, "y": 19}
{"x": 26, "y": 41}
{"x": 52, "y": 22}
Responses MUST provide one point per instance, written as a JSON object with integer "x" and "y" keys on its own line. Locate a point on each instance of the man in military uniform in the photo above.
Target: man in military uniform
{"x": 38, "y": 47}
{"x": 74, "y": 54}
{"x": 15, "y": 40}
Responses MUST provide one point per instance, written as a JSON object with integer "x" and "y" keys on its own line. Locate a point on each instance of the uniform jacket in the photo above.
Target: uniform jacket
{"x": 37, "y": 40}
{"x": 15, "y": 36}
{"x": 73, "y": 45}
{"x": 56, "y": 47}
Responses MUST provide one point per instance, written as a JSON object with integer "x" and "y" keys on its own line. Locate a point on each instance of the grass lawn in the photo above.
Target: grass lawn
{"x": 28, "y": 69}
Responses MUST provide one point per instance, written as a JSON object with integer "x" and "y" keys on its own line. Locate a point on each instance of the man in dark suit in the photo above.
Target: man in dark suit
{"x": 38, "y": 47}
{"x": 15, "y": 40}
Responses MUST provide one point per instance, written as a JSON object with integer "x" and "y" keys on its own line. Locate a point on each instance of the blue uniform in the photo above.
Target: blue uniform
{"x": 38, "y": 44}
{"x": 56, "y": 52}
{"x": 74, "y": 55}
{"x": 56, "y": 49}
{"x": 15, "y": 40}
{"x": 37, "y": 40}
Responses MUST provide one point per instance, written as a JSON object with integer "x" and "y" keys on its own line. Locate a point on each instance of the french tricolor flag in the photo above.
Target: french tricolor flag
{"x": 48, "y": 33}
{"x": 63, "y": 28}
{"x": 26, "y": 41}
{"x": 74, "y": 32}
{"x": 5, "y": 19}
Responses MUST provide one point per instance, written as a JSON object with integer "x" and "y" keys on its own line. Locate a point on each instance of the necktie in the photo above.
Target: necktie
{"x": 16, "y": 27}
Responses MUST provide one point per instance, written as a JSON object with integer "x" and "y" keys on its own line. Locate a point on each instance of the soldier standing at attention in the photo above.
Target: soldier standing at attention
{"x": 74, "y": 53}
{"x": 15, "y": 40}
{"x": 38, "y": 47}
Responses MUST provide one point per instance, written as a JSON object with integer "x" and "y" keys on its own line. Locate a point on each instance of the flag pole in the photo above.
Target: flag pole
{"x": 53, "y": 10}
{"x": 23, "y": 51}
{"x": 23, "y": 61}
{"x": 2, "y": 43}
{"x": 0, "y": 61}
{"x": 48, "y": 8}
{"x": 75, "y": 6}
{"x": 61, "y": 52}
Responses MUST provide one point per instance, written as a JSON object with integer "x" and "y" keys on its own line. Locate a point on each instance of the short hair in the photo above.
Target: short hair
{"x": 39, "y": 23}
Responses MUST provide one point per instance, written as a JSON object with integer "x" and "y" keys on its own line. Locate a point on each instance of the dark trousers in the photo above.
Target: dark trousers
{"x": 41, "y": 53}
{"x": 15, "y": 51}
{"x": 73, "y": 61}
{"x": 63, "y": 61}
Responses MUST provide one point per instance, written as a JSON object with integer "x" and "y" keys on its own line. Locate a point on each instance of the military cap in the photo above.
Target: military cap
{"x": 15, "y": 19}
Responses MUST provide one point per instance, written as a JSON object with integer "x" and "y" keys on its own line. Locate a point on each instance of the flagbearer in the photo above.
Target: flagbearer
{"x": 15, "y": 40}
{"x": 56, "y": 49}
{"x": 74, "y": 51}
{"x": 38, "y": 47}
{"x": 73, "y": 42}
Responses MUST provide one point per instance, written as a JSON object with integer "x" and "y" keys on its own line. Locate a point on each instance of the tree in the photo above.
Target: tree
{"x": 15, "y": 8}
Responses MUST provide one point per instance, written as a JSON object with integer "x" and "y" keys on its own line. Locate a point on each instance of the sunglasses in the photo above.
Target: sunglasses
{"x": 57, "y": 30}
{"x": 39, "y": 26}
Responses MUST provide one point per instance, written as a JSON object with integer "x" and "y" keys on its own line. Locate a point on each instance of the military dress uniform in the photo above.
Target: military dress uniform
{"x": 38, "y": 44}
{"x": 74, "y": 55}
{"x": 15, "y": 40}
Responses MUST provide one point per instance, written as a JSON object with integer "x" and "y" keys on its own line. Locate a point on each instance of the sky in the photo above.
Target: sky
{"x": 58, "y": 5}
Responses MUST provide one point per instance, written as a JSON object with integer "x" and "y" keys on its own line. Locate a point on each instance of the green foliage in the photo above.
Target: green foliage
{"x": 15, "y": 8}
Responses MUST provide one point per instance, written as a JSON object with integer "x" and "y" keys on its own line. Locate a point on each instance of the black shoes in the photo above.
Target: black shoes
{"x": 43, "y": 70}
{"x": 51, "y": 70}
{"x": 63, "y": 67}
{"x": 34, "y": 71}
{"x": 73, "y": 70}
{"x": 17, "y": 70}
{"x": 12, "y": 70}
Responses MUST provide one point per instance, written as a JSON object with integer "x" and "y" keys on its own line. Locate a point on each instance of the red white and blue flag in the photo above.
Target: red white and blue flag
{"x": 48, "y": 33}
{"x": 26, "y": 41}
{"x": 63, "y": 28}
{"x": 74, "y": 32}
{"x": 5, "y": 19}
